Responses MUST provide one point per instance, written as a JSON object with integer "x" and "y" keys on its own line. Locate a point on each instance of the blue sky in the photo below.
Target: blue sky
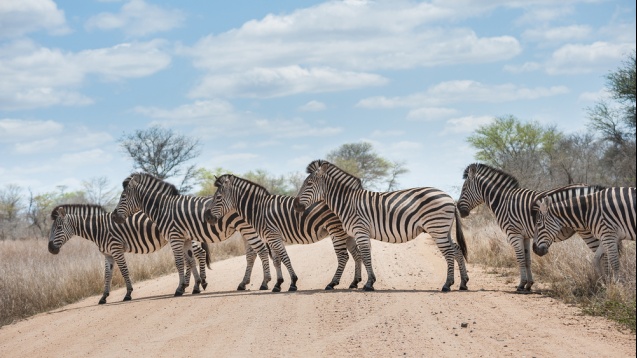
{"x": 274, "y": 85}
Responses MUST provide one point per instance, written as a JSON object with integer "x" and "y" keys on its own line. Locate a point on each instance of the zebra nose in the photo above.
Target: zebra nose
{"x": 298, "y": 206}
{"x": 540, "y": 250}
{"x": 463, "y": 212}
{"x": 53, "y": 249}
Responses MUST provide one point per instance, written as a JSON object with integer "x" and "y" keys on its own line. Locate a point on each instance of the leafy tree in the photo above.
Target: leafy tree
{"x": 360, "y": 160}
{"x": 205, "y": 179}
{"x": 277, "y": 185}
{"x": 521, "y": 149}
{"x": 162, "y": 153}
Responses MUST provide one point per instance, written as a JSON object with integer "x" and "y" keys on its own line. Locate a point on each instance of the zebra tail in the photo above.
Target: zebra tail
{"x": 206, "y": 248}
{"x": 460, "y": 236}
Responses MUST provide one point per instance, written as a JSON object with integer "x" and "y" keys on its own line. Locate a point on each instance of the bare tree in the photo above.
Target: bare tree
{"x": 10, "y": 206}
{"x": 98, "y": 191}
{"x": 162, "y": 153}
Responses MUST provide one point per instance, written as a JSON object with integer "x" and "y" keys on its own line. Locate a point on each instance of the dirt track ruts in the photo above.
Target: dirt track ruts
{"x": 405, "y": 316}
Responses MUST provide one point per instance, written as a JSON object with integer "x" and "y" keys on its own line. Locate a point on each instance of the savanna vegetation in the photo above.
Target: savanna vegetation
{"x": 541, "y": 157}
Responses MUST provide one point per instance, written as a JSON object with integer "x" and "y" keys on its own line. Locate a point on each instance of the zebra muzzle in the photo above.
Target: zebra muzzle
{"x": 298, "y": 206}
{"x": 540, "y": 250}
{"x": 53, "y": 249}
{"x": 209, "y": 218}
{"x": 117, "y": 218}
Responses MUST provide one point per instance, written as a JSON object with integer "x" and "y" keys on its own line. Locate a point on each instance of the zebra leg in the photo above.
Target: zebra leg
{"x": 600, "y": 262}
{"x": 276, "y": 260}
{"x": 282, "y": 252}
{"x": 340, "y": 248}
{"x": 527, "y": 264}
{"x": 518, "y": 246}
{"x": 108, "y": 276}
{"x": 190, "y": 260}
{"x": 356, "y": 254}
{"x": 251, "y": 256}
{"x": 612, "y": 251}
{"x": 200, "y": 256}
{"x": 366, "y": 252}
{"x": 448, "y": 250}
{"x": 464, "y": 276}
{"x": 177, "y": 246}
{"x": 123, "y": 268}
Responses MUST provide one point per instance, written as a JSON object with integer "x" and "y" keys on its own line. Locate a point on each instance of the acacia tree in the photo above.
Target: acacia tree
{"x": 360, "y": 160}
{"x": 163, "y": 153}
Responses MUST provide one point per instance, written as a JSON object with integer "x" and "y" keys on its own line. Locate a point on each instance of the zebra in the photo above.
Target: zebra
{"x": 274, "y": 219}
{"x": 395, "y": 217}
{"x": 180, "y": 218}
{"x": 513, "y": 209}
{"x": 609, "y": 214}
{"x": 138, "y": 235}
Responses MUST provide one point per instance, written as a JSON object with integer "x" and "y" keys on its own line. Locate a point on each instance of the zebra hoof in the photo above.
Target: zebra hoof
{"x": 329, "y": 287}
{"x": 445, "y": 289}
{"x": 463, "y": 288}
{"x": 102, "y": 301}
{"x": 179, "y": 293}
{"x": 292, "y": 289}
{"x": 276, "y": 289}
{"x": 196, "y": 291}
{"x": 241, "y": 287}
{"x": 353, "y": 285}
{"x": 263, "y": 287}
{"x": 127, "y": 298}
{"x": 368, "y": 288}
{"x": 204, "y": 285}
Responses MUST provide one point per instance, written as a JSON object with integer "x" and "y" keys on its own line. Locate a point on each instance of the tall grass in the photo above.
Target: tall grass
{"x": 566, "y": 272}
{"x": 32, "y": 280}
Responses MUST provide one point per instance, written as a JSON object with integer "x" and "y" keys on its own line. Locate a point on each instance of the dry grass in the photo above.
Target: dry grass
{"x": 566, "y": 273}
{"x": 32, "y": 280}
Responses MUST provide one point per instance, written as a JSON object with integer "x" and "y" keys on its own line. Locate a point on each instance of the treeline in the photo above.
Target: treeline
{"x": 163, "y": 153}
{"x": 542, "y": 157}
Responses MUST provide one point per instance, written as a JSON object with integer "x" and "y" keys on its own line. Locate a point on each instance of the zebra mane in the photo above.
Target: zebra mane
{"x": 161, "y": 186}
{"x": 260, "y": 187}
{"x": 78, "y": 209}
{"x": 334, "y": 171}
{"x": 487, "y": 170}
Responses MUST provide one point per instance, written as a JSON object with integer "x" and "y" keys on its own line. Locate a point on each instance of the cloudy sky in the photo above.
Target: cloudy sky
{"x": 275, "y": 84}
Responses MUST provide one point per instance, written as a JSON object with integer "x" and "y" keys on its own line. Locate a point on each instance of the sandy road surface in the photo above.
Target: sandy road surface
{"x": 406, "y": 316}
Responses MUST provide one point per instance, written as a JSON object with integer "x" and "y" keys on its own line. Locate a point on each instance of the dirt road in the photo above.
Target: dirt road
{"x": 405, "y": 316}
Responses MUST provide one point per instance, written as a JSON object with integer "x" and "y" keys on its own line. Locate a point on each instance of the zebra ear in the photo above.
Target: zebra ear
{"x": 61, "y": 212}
{"x": 323, "y": 169}
{"x": 471, "y": 172}
{"x": 544, "y": 205}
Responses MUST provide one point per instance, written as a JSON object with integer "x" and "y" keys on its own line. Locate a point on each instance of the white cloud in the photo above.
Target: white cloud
{"x": 37, "y": 146}
{"x": 578, "y": 59}
{"x": 313, "y": 106}
{"x": 525, "y": 67}
{"x": 387, "y": 133}
{"x": 557, "y": 34}
{"x": 88, "y": 157}
{"x": 294, "y": 128}
{"x": 463, "y": 91}
{"x": 431, "y": 113}
{"x": 17, "y": 130}
{"x": 42, "y": 77}
{"x": 600, "y": 95}
{"x": 466, "y": 124}
{"x": 282, "y": 81}
{"x": 196, "y": 110}
{"x": 138, "y": 18}
{"x": 308, "y": 49}
{"x": 24, "y": 16}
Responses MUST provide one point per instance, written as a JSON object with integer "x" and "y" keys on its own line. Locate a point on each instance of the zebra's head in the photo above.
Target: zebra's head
{"x": 61, "y": 230}
{"x": 470, "y": 196}
{"x": 313, "y": 188}
{"x": 130, "y": 200}
{"x": 222, "y": 202}
{"x": 547, "y": 227}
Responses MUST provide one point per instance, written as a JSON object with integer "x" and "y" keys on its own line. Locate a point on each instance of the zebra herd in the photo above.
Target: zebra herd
{"x": 332, "y": 203}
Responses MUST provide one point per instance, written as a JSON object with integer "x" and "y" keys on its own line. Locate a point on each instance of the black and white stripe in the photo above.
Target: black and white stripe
{"x": 181, "y": 218}
{"x": 513, "y": 209}
{"x": 394, "y": 217}
{"x": 608, "y": 214}
{"x": 138, "y": 235}
{"x": 275, "y": 221}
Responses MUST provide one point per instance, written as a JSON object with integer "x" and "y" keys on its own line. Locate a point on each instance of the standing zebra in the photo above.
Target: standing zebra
{"x": 138, "y": 235}
{"x": 181, "y": 218}
{"x": 274, "y": 219}
{"x": 609, "y": 214}
{"x": 394, "y": 217}
{"x": 513, "y": 209}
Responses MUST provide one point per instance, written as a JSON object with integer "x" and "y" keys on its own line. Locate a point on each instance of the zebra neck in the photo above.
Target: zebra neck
{"x": 251, "y": 206}
{"x": 337, "y": 197}
{"x": 571, "y": 213}
{"x": 92, "y": 227}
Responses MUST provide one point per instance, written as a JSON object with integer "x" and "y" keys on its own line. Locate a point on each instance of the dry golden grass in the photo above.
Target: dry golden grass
{"x": 567, "y": 272}
{"x": 32, "y": 280}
